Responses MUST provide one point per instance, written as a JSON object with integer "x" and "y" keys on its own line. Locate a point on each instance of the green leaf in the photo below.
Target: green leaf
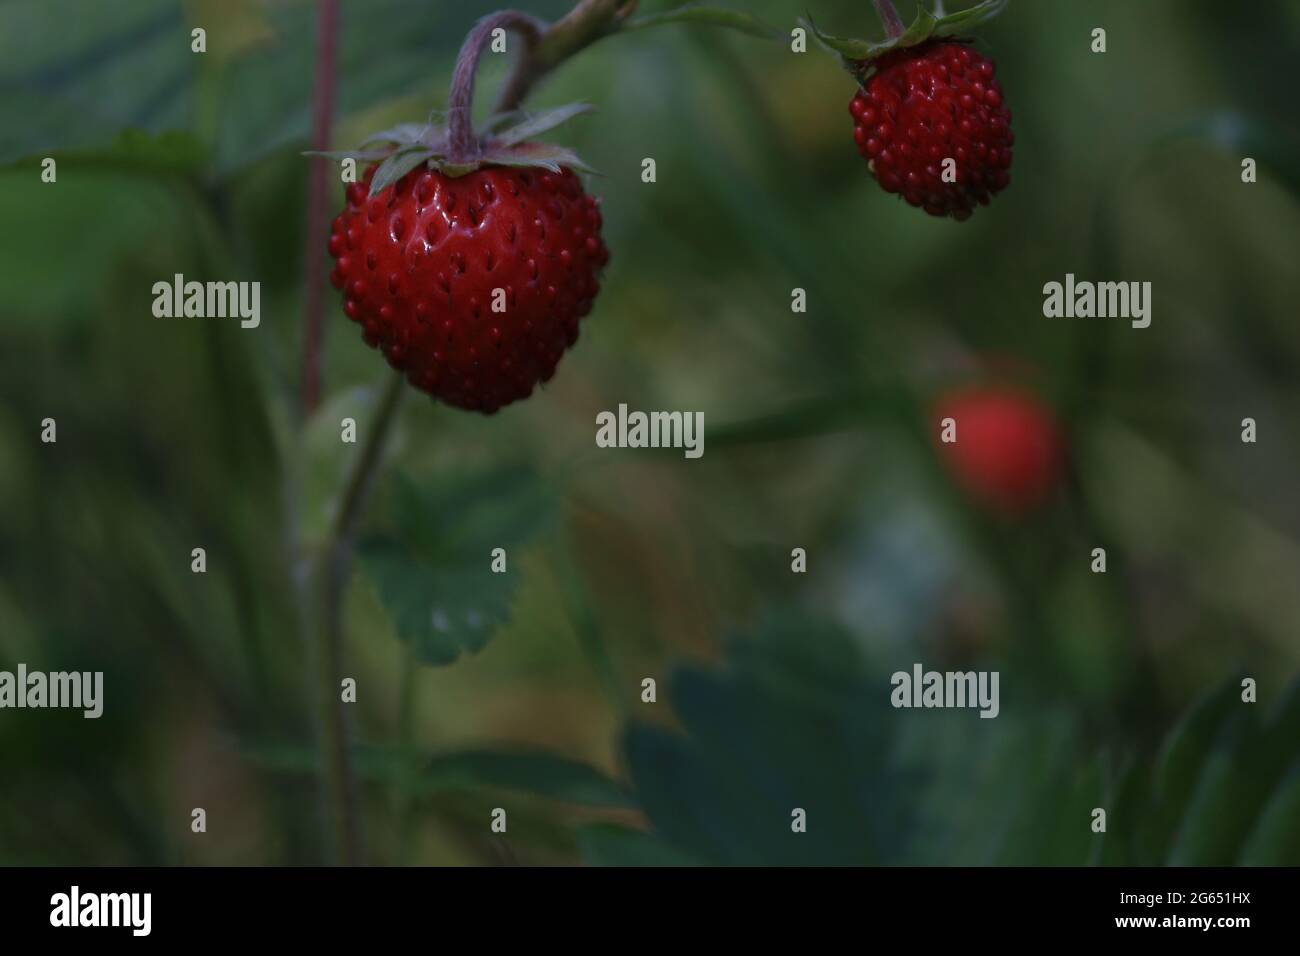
{"x": 1184, "y": 755}
{"x": 398, "y": 165}
{"x": 442, "y": 610}
{"x": 435, "y": 578}
{"x": 822, "y": 415}
{"x": 1275, "y": 839}
{"x": 1220, "y": 775}
{"x": 138, "y": 222}
{"x": 541, "y": 122}
{"x": 134, "y": 150}
{"x": 79, "y": 73}
{"x": 708, "y": 16}
{"x": 542, "y": 155}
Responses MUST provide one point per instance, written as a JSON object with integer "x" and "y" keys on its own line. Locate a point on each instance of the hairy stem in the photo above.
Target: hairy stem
{"x": 890, "y": 18}
{"x": 313, "y": 325}
{"x": 582, "y": 26}
{"x": 462, "y": 145}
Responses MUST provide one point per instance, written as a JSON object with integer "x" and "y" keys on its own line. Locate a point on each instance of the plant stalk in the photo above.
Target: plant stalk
{"x": 582, "y": 26}
{"x": 313, "y": 324}
{"x": 335, "y": 569}
{"x": 890, "y": 18}
{"x": 463, "y": 146}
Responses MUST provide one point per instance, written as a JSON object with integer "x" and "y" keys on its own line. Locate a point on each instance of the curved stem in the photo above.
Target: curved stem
{"x": 582, "y": 26}
{"x": 462, "y": 144}
{"x": 890, "y": 18}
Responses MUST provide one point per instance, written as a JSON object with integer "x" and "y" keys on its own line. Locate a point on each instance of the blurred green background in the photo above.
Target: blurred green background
{"x": 1117, "y": 690}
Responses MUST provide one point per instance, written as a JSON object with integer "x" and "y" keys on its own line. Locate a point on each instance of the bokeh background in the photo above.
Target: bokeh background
{"x": 1118, "y": 690}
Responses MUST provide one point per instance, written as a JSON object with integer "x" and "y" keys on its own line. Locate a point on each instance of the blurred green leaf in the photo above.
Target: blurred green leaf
{"x": 1224, "y": 771}
{"x": 148, "y": 222}
{"x": 793, "y": 722}
{"x": 134, "y": 151}
{"x": 1182, "y": 759}
{"x": 707, "y": 16}
{"x": 440, "y": 609}
{"x": 129, "y": 66}
{"x": 435, "y": 577}
{"x": 123, "y": 66}
{"x": 536, "y": 772}
{"x": 1275, "y": 839}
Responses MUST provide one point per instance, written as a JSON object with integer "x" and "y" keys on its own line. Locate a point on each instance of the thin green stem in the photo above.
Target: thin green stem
{"x": 335, "y": 570}
{"x": 406, "y": 710}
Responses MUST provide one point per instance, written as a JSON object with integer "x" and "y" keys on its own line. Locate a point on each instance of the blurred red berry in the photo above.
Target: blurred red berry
{"x": 927, "y": 104}
{"x": 472, "y": 285}
{"x": 1009, "y": 451}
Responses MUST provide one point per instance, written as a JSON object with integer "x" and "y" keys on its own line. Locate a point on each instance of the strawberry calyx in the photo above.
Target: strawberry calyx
{"x": 858, "y": 56}
{"x": 505, "y": 139}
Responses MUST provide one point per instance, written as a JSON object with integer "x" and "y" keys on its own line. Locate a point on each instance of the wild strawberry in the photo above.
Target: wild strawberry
{"x": 927, "y": 104}
{"x": 468, "y": 257}
{"x": 1008, "y": 451}
{"x": 472, "y": 285}
{"x": 929, "y": 115}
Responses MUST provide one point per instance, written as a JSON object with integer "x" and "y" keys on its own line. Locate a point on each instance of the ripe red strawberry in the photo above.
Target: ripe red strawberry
{"x": 927, "y": 103}
{"x": 1009, "y": 452}
{"x": 423, "y": 263}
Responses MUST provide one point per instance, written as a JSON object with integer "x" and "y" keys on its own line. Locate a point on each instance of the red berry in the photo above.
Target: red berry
{"x": 473, "y": 286}
{"x": 1008, "y": 452}
{"x": 928, "y": 103}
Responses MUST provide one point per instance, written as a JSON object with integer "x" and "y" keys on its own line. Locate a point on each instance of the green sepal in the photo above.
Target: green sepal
{"x": 526, "y": 127}
{"x": 504, "y": 140}
{"x": 542, "y": 155}
{"x": 398, "y": 165}
{"x": 857, "y": 55}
